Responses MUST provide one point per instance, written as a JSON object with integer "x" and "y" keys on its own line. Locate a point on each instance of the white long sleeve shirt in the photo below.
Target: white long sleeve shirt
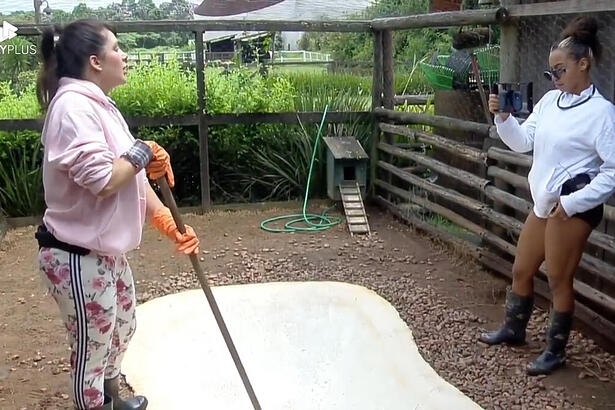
{"x": 566, "y": 143}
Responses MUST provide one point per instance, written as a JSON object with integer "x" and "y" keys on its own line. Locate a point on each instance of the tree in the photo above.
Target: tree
{"x": 409, "y": 45}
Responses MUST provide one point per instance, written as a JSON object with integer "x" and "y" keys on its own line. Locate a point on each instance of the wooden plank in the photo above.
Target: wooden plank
{"x": 479, "y": 207}
{"x": 560, "y": 7}
{"x": 439, "y": 121}
{"x": 506, "y": 198}
{"x": 353, "y": 205}
{"x": 448, "y": 214}
{"x": 183, "y": 120}
{"x": 413, "y": 99}
{"x": 377, "y": 89}
{"x": 351, "y": 198}
{"x": 510, "y": 157}
{"x": 510, "y": 58}
{"x": 456, "y": 148}
{"x": 515, "y": 180}
{"x": 216, "y": 119}
{"x": 460, "y": 175}
{"x": 132, "y": 121}
{"x": 287, "y": 118}
{"x": 203, "y": 127}
{"x": 21, "y": 125}
{"x": 443, "y": 19}
{"x": 426, "y": 227}
{"x": 388, "y": 71}
{"x": 609, "y": 212}
{"x": 350, "y": 26}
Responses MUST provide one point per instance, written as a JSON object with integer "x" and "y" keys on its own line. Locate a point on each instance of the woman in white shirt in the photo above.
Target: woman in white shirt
{"x": 572, "y": 135}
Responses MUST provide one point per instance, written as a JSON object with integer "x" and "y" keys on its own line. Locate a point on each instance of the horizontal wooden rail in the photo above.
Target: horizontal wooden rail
{"x": 160, "y": 26}
{"x": 588, "y": 262}
{"x": 510, "y": 157}
{"x": 438, "y": 121}
{"x": 442, "y": 19}
{"x": 513, "y": 179}
{"x": 413, "y": 99}
{"x": 287, "y": 118}
{"x": 456, "y": 148}
{"x": 460, "y": 175}
{"x": 215, "y": 119}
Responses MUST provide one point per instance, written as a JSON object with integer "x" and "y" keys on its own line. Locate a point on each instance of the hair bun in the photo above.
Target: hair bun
{"x": 582, "y": 29}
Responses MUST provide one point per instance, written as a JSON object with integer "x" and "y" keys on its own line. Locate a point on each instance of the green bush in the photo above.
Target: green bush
{"x": 247, "y": 162}
{"x": 21, "y": 174}
{"x": 13, "y": 106}
{"x": 156, "y": 90}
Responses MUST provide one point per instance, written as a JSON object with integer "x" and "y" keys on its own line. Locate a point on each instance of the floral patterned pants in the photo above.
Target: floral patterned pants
{"x": 96, "y": 298}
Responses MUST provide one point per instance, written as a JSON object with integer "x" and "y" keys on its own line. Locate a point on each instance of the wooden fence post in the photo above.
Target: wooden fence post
{"x": 388, "y": 74}
{"x": 377, "y": 86}
{"x": 203, "y": 126}
{"x": 510, "y": 72}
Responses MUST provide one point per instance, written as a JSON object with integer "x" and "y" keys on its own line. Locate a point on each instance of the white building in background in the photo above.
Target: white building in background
{"x": 295, "y": 10}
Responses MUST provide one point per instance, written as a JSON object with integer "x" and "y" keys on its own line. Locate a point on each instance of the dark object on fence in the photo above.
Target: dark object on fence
{"x": 515, "y": 97}
{"x": 477, "y": 37}
{"x": 217, "y": 8}
{"x": 461, "y": 64}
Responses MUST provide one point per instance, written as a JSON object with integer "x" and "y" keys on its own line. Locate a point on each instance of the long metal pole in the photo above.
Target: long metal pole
{"x": 170, "y": 202}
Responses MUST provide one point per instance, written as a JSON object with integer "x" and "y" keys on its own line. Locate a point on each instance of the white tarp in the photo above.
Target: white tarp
{"x": 305, "y": 346}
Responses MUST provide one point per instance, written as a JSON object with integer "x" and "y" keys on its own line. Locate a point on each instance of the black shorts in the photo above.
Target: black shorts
{"x": 593, "y": 216}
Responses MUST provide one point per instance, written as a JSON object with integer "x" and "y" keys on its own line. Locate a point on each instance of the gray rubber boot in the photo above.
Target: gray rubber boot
{"x": 554, "y": 355}
{"x": 518, "y": 312}
{"x": 112, "y": 388}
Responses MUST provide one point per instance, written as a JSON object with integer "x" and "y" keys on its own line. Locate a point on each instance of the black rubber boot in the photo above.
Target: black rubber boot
{"x": 112, "y": 388}
{"x": 554, "y": 355}
{"x": 518, "y": 312}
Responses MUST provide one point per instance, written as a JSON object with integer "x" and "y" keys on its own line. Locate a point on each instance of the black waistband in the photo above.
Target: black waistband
{"x": 47, "y": 240}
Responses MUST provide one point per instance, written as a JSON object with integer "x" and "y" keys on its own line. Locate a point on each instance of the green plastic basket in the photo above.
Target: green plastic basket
{"x": 489, "y": 58}
{"x": 439, "y": 77}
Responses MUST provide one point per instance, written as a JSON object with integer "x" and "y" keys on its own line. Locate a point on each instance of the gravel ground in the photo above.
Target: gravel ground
{"x": 494, "y": 377}
{"x": 446, "y": 299}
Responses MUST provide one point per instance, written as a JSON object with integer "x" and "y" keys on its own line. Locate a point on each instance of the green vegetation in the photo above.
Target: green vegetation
{"x": 247, "y": 162}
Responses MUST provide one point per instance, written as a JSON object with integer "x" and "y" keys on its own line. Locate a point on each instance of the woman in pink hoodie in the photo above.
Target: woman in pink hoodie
{"x": 98, "y": 199}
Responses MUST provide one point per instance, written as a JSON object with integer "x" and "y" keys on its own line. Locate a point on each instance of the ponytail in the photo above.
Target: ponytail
{"x": 47, "y": 83}
{"x": 68, "y": 57}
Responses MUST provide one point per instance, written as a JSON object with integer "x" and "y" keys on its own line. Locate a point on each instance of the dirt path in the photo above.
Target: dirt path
{"x": 446, "y": 300}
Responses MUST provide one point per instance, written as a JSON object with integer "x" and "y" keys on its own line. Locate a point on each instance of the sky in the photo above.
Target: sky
{"x": 7, "y": 6}
{"x": 305, "y": 8}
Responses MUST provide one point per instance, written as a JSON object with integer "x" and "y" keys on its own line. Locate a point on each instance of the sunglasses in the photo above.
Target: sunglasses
{"x": 554, "y": 74}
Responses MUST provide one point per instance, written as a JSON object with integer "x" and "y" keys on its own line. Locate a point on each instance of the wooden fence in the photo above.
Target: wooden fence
{"x": 487, "y": 212}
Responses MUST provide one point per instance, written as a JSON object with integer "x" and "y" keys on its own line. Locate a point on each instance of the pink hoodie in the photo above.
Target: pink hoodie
{"x": 83, "y": 133}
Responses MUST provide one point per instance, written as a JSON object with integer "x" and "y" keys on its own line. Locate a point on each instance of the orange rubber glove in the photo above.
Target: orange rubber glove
{"x": 187, "y": 243}
{"x": 160, "y": 165}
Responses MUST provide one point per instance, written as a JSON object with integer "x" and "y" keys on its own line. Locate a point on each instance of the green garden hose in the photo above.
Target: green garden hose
{"x": 311, "y": 222}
